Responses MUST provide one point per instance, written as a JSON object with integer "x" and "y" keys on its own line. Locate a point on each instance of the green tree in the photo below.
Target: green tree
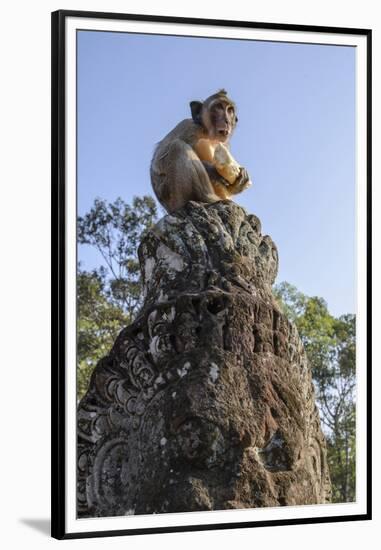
{"x": 99, "y": 322}
{"x": 115, "y": 230}
{"x": 330, "y": 344}
{"x": 109, "y": 297}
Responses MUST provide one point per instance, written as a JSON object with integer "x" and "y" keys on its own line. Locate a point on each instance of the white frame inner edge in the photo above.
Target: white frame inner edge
{"x": 74, "y": 525}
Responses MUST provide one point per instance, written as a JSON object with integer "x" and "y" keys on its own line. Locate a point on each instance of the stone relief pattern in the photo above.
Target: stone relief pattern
{"x": 206, "y": 401}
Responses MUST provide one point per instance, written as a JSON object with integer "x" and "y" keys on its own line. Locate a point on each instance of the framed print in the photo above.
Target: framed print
{"x": 211, "y": 185}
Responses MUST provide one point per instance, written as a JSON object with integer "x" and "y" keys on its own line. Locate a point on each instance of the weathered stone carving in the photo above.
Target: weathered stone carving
{"x": 206, "y": 401}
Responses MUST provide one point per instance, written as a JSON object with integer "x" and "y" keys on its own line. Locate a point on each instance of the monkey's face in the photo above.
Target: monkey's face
{"x": 217, "y": 115}
{"x": 220, "y": 120}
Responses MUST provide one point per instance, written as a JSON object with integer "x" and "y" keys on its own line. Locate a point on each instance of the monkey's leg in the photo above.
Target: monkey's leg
{"x": 214, "y": 176}
{"x": 220, "y": 185}
{"x": 187, "y": 177}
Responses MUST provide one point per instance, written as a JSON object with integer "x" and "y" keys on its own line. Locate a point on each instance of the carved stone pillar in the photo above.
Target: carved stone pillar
{"x": 206, "y": 401}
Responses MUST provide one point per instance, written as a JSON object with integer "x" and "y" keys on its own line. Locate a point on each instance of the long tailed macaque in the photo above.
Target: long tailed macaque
{"x": 193, "y": 163}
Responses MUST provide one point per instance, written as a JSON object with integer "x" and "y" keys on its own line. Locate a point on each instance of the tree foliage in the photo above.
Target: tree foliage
{"x": 330, "y": 345}
{"x": 115, "y": 230}
{"x": 99, "y": 322}
{"x": 109, "y": 296}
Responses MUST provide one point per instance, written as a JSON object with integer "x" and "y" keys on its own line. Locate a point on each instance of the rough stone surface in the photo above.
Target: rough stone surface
{"x": 206, "y": 401}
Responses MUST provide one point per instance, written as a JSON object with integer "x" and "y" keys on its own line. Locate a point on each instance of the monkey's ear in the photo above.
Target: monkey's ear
{"x": 236, "y": 119}
{"x": 196, "y": 108}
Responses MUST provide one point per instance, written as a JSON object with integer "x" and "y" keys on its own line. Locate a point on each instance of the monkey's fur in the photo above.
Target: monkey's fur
{"x": 183, "y": 167}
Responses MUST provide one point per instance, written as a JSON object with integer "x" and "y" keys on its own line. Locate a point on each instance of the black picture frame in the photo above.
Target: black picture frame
{"x": 59, "y": 114}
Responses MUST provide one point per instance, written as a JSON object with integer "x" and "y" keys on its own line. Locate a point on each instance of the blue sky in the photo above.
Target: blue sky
{"x": 295, "y": 136}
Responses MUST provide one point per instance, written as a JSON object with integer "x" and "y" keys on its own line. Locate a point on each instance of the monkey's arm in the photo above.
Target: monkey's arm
{"x": 241, "y": 183}
{"x": 226, "y": 164}
{"x": 219, "y": 165}
{"x": 237, "y": 177}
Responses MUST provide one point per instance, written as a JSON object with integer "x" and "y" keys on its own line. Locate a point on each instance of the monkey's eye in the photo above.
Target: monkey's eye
{"x": 230, "y": 110}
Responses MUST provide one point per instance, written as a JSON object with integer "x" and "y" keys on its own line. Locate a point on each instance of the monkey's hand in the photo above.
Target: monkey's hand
{"x": 241, "y": 183}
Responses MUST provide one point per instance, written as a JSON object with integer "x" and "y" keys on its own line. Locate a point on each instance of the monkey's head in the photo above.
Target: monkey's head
{"x": 217, "y": 115}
